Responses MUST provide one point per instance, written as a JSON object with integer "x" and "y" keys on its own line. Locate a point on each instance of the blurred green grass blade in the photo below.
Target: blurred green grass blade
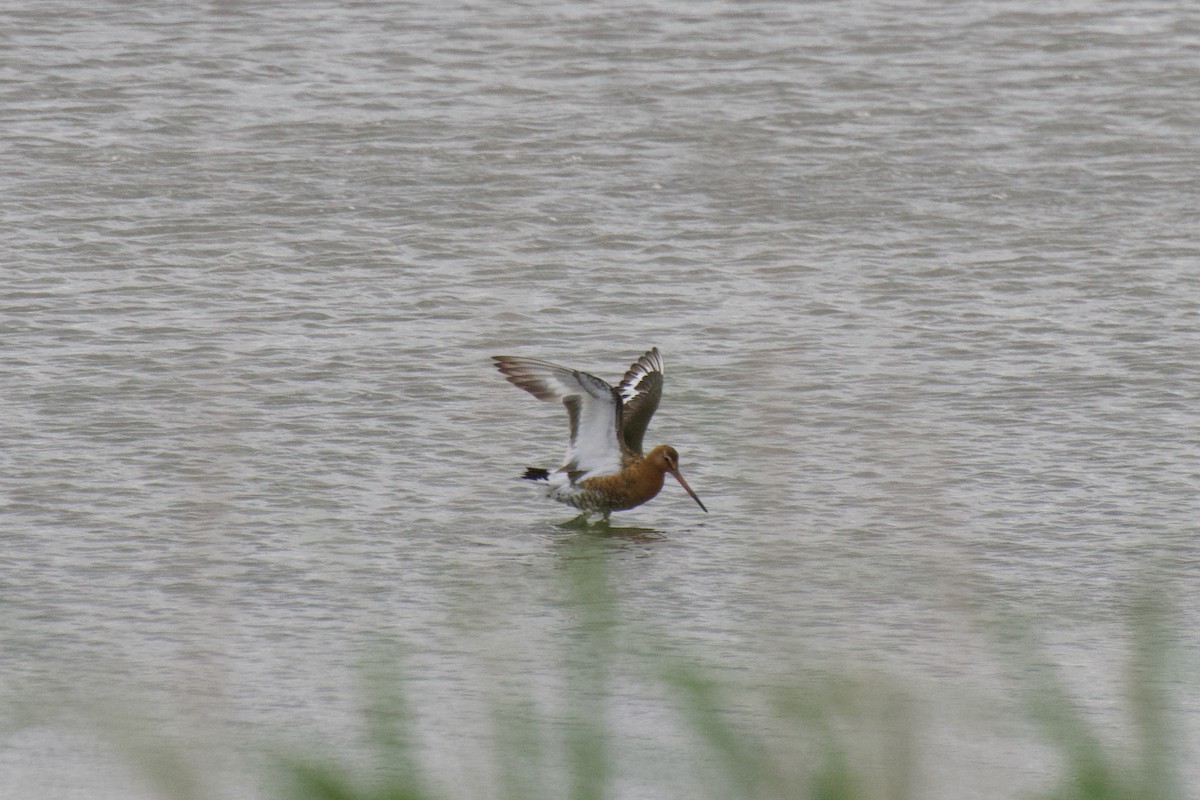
{"x": 835, "y": 779}
{"x": 588, "y": 664}
{"x": 520, "y": 750}
{"x": 307, "y": 780}
{"x": 1150, "y": 674}
{"x": 312, "y": 782}
{"x": 1092, "y": 771}
{"x": 745, "y": 772}
{"x": 391, "y": 734}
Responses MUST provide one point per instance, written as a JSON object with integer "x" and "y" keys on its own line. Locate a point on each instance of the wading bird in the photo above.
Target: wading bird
{"x": 605, "y": 470}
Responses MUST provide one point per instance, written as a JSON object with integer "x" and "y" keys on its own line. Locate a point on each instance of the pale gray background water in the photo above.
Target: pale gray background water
{"x": 926, "y": 277}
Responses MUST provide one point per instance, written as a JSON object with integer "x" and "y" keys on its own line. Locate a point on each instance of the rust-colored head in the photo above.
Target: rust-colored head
{"x": 666, "y": 459}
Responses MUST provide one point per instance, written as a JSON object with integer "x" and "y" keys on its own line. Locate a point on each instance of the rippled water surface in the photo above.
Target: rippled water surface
{"x": 926, "y": 277}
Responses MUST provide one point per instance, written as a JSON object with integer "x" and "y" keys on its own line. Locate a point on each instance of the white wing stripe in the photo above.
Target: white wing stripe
{"x": 594, "y": 450}
{"x": 650, "y": 362}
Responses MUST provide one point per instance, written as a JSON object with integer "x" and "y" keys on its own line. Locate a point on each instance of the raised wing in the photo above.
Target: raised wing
{"x": 640, "y": 390}
{"x": 593, "y": 407}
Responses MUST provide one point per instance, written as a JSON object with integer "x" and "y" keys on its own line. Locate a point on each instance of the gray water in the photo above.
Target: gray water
{"x": 926, "y": 277}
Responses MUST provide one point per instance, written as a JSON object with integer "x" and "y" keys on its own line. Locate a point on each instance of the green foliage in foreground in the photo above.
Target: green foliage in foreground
{"x": 827, "y": 737}
{"x": 833, "y": 739}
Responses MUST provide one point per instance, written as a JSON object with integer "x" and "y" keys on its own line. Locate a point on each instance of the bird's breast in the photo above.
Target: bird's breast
{"x": 632, "y": 486}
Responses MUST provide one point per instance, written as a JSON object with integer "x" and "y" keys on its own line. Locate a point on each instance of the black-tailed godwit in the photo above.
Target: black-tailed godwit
{"x": 605, "y": 470}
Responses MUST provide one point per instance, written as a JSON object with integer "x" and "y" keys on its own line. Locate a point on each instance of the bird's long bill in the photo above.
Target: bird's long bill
{"x": 688, "y": 489}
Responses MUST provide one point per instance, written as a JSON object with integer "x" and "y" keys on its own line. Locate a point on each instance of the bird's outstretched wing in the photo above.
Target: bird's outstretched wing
{"x": 640, "y": 390}
{"x": 593, "y": 407}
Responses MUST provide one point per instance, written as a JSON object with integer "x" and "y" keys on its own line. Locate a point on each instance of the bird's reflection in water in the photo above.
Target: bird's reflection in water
{"x": 600, "y": 529}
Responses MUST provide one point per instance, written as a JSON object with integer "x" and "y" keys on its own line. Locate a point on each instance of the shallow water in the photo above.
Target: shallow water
{"x": 924, "y": 276}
